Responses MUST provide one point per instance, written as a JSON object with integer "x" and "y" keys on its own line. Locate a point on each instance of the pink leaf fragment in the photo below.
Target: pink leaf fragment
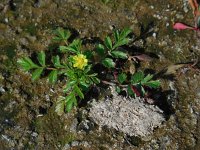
{"x": 181, "y": 26}
{"x": 143, "y": 57}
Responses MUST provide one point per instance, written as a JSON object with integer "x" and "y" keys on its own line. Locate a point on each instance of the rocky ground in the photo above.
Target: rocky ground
{"x": 27, "y": 116}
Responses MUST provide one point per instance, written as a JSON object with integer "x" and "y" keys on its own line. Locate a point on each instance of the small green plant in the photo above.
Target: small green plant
{"x": 111, "y": 52}
{"x": 76, "y": 66}
{"x": 137, "y": 84}
{"x": 111, "y": 49}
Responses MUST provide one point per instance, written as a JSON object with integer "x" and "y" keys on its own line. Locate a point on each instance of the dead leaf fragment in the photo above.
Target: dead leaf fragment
{"x": 173, "y": 68}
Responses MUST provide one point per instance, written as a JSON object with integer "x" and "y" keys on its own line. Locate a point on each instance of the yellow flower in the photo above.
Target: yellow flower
{"x": 80, "y": 61}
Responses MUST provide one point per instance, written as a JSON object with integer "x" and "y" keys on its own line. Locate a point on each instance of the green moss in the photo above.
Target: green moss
{"x": 31, "y": 29}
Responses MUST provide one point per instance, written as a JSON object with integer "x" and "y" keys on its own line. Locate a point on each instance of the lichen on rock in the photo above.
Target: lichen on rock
{"x": 131, "y": 116}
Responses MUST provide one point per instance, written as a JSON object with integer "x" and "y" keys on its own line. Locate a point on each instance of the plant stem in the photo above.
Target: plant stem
{"x": 112, "y": 84}
{"x": 51, "y": 68}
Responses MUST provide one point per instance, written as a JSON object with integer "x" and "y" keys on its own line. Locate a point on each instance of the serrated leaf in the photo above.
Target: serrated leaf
{"x": 70, "y": 73}
{"x": 108, "y": 43}
{"x": 57, "y": 39}
{"x": 100, "y": 49}
{"x": 147, "y": 78}
{"x": 95, "y": 80}
{"x": 27, "y": 64}
{"x": 69, "y": 86}
{"x": 56, "y": 62}
{"x": 62, "y": 35}
{"x": 67, "y": 49}
{"x": 93, "y": 75}
{"x": 79, "y": 92}
{"x": 32, "y": 64}
{"x": 37, "y": 73}
{"x": 70, "y": 100}
{"x": 116, "y": 35}
{"x": 69, "y": 105}
{"x": 41, "y": 58}
{"x": 108, "y": 62}
{"x": 85, "y": 81}
{"x": 153, "y": 84}
{"x": 53, "y": 76}
{"x": 87, "y": 68}
{"x": 76, "y": 45}
{"x": 122, "y": 77}
{"x": 137, "y": 77}
{"x": 121, "y": 42}
{"x": 125, "y": 32}
{"x": 119, "y": 54}
{"x": 83, "y": 84}
{"x": 63, "y": 48}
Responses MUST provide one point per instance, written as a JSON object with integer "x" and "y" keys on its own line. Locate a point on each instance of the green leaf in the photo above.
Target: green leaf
{"x": 53, "y": 76}
{"x": 76, "y": 45}
{"x": 108, "y": 43}
{"x": 93, "y": 75}
{"x": 153, "y": 84}
{"x": 83, "y": 83}
{"x": 33, "y": 65}
{"x": 69, "y": 86}
{"x": 130, "y": 91}
{"x": 125, "y": 32}
{"x": 56, "y": 62}
{"x": 147, "y": 78}
{"x": 122, "y": 77}
{"x": 37, "y": 73}
{"x": 67, "y": 49}
{"x": 137, "y": 77}
{"x": 79, "y": 92}
{"x": 70, "y": 73}
{"x": 121, "y": 42}
{"x": 117, "y": 89}
{"x": 88, "y": 54}
{"x": 100, "y": 49}
{"x": 24, "y": 64}
{"x": 87, "y": 68}
{"x": 41, "y": 58}
{"x": 62, "y": 35}
{"x": 95, "y": 80}
{"x": 116, "y": 35}
{"x": 108, "y": 62}
{"x": 70, "y": 101}
{"x": 69, "y": 105}
{"x": 119, "y": 54}
{"x": 27, "y": 64}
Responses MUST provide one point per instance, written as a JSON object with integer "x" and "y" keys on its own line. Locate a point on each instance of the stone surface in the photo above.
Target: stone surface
{"x": 25, "y": 29}
{"x": 128, "y": 115}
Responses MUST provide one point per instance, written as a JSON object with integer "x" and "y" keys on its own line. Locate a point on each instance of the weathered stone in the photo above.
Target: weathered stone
{"x": 128, "y": 115}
